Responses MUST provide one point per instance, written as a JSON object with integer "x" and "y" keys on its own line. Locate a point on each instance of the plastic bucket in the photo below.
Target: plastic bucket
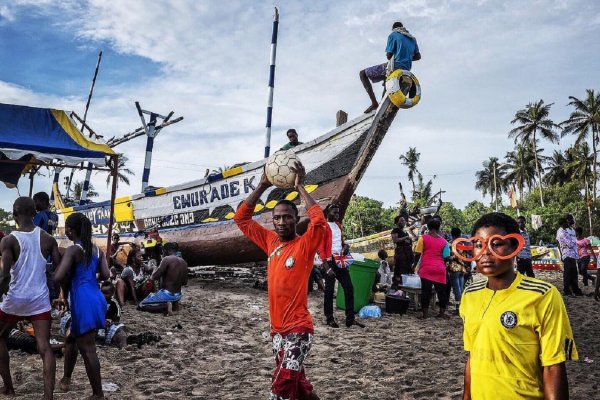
{"x": 362, "y": 275}
{"x": 396, "y": 305}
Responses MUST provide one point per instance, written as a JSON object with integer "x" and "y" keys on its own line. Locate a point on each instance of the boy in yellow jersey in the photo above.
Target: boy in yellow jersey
{"x": 516, "y": 328}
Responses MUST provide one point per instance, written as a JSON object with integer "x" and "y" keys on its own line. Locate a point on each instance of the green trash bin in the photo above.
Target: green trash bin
{"x": 362, "y": 275}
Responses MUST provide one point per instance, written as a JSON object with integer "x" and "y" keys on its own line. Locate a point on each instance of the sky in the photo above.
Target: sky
{"x": 208, "y": 61}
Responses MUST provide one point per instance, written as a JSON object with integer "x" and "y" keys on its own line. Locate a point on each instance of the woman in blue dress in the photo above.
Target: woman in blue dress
{"x": 77, "y": 276}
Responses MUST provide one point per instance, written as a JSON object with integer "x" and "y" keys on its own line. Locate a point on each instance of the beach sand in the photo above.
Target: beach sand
{"x": 221, "y": 352}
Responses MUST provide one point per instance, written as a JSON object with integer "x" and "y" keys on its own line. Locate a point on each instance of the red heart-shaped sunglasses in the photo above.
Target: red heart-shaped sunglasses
{"x": 477, "y": 245}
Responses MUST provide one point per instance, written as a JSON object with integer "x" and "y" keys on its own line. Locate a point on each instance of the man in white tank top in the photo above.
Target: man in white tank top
{"x": 24, "y": 287}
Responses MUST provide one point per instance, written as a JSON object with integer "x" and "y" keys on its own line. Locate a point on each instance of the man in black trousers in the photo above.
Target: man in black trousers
{"x": 333, "y": 245}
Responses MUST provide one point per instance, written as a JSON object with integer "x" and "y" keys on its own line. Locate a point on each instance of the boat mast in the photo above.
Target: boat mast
{"x": 271, "y": 81}
{"x": 88, "y": 174}
{"x": 58, "y": 170}
{"x": 151, "y": 131}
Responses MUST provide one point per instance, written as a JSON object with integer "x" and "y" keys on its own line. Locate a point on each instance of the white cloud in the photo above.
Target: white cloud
{"x": 6, "y": 15}
{"x": 481, "y": 62}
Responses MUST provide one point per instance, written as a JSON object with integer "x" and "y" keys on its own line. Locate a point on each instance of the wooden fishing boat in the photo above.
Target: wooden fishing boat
{"x": 198, "y": 215}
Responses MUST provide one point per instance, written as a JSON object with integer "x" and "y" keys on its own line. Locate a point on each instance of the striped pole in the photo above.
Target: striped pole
{"x": 86, "y": 184}
{"x": 271, "y": 81}
{"x": 151, "y": 133}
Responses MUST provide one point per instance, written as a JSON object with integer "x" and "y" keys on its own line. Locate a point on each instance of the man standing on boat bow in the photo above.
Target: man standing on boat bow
{"x": 401, "y": 51}
{"x": 289, "y": 264}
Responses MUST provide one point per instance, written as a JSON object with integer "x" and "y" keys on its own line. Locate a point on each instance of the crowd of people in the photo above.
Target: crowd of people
{"x": 90, "y": 290}
{"x": 497, "y": 312}
{"x": 516, "y": 329}
{"x": 78, "y": 289}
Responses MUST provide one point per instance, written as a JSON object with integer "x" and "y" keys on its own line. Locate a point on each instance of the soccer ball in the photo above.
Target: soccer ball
{"x": 278, "y": 171}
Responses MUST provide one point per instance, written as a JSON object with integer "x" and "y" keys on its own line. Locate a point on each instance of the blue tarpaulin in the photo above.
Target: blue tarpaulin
{"x": 47, "y": 135}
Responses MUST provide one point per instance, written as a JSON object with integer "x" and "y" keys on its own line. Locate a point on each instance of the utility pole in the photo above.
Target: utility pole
{"x": 495, "y": 186}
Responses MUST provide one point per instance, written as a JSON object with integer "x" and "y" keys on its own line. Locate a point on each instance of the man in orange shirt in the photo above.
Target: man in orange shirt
{"x": 289, "y": 264}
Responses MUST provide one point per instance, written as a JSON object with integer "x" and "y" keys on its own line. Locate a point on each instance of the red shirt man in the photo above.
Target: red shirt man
{"x": 290, "y": 261}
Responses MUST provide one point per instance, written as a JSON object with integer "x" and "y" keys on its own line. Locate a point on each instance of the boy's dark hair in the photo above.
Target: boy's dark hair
{"x": 170, "y": 247}
{"x": 24, "y": 206}
{"x": 41, "y": 197}
{"x": 498, "y": 220}
{"x": 291, "y": 130}
{"x": 562, "y": 221}
{"x": 289, "y": 203}
{"x": 434, "y": 223}
{"x": 131, "y": 256}
{"x": 83, "y": 226}
{"x": 382, "y": 254}
{"x": 455, "y": 232}
{"x": 521, "y": 218}
{"x": 579, "y": 230}
{"x": 329, "y": 207}
{"x": 397, "y": 24}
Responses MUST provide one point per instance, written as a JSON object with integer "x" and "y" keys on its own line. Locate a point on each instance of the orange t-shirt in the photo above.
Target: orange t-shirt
{"x": 288, "y": 268}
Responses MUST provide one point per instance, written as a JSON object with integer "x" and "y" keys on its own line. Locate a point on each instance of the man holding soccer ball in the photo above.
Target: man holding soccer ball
{"x": 289, "y": 264}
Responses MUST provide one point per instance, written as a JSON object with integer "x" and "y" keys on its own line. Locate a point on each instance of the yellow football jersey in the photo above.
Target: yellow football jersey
{"x": 511, "y": 334}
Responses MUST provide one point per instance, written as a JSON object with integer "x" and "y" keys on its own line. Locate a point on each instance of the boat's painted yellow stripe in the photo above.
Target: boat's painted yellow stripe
{"x": 232, "y": 172}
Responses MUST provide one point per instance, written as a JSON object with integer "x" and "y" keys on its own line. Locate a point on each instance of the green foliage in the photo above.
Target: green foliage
{"x": 78, "y": 188}
{"x": 365, "y": 216}
{"x": 122, "y": 173}
{"x": 561, "y": 200}
{"x": 5, "y": 216}
{"x": 453, "y": 217}
{"x": 472, "y": 212}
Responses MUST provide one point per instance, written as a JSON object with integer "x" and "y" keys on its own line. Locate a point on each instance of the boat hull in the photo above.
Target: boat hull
{"x": 198, "y": 215}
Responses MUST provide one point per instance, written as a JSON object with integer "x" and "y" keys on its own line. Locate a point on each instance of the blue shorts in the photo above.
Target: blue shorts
{"x": 376, "y": 73}
{"x": 161, "y": 297}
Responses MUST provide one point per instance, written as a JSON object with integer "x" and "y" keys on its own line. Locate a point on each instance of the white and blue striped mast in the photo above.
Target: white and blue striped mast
{"x": 271, "y": 81}
{"x": 151, "y": 132}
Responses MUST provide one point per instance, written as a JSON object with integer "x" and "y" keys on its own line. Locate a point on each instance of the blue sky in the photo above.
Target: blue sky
{"x": 208, "y": 61}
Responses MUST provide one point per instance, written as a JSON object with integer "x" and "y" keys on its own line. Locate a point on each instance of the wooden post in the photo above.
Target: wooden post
{"x": 341, "y": 117}
{"x": 31, "y": 176}
{"x": 113, "y": 195}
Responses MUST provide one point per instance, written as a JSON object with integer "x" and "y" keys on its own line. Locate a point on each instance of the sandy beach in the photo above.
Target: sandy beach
{"x": 222, "y": 352}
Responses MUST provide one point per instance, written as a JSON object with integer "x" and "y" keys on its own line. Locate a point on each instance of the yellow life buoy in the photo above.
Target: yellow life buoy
{"x": 398, "y": 81}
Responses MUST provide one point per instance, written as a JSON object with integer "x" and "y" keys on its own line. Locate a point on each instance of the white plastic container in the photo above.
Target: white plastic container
{"x": 413, "y": 281}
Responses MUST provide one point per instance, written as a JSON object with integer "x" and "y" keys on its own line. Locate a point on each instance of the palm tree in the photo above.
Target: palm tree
{"x": 584, "y": 120}
{"x": 491, "y": 179}
{"x": 533, "y": 119}
{"x": 556, "y": 173}
{"x": 411, "y": 159}
{"x": 579, "y": 168}
{"x": 423, "y": 191}
{"x": 78, "y": 188}
{"x": 122, "y": 172}
{"x": 520, "y": 168}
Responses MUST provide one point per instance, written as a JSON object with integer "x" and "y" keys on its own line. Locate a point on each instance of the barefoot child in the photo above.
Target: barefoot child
{"x": 516, "y": 328}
